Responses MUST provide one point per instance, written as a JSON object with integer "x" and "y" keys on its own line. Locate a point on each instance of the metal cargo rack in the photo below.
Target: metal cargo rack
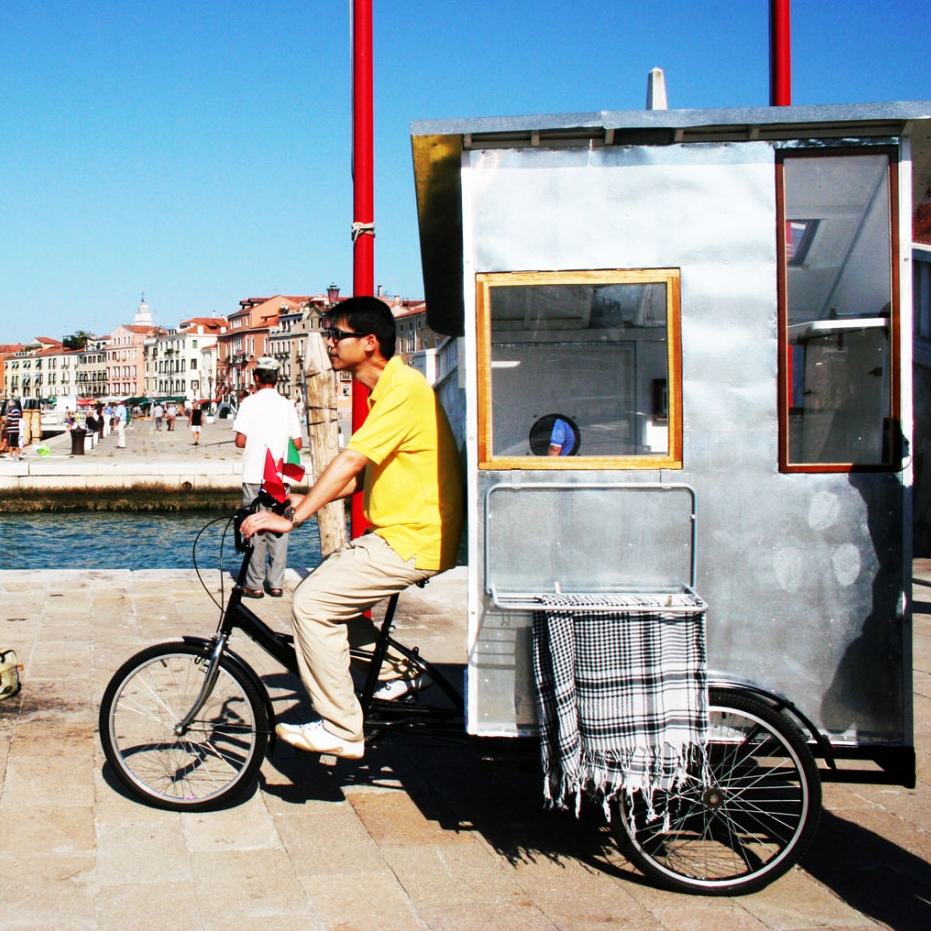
{"x": 623, "y": 546}
{"x": 672, "y": 602}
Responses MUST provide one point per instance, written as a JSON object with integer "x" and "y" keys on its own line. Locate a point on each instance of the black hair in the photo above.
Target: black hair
{"x": 266, "y": 376}
{"x": 368, "y": 315}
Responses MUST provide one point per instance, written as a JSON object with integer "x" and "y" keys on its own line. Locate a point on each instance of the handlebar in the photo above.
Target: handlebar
{"x": 265, "y": 500}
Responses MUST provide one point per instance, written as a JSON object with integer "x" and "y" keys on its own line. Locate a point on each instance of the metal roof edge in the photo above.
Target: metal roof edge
{"x": 678, "y": 119}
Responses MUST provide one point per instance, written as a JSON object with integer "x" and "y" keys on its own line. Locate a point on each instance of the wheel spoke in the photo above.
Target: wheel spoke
{"x": 746, "y": 825}
{"x": 217, "y": 752}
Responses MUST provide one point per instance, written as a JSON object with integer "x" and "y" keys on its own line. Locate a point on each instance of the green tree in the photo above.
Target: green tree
{"x": 76, "y": 340}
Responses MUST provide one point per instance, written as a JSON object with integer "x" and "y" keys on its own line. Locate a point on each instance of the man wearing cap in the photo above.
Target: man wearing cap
{"x": 265, "y": 421}
{"x": 404, "y": 458}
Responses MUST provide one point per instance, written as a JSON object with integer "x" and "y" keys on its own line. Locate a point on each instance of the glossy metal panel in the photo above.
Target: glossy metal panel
{"x": 805, "y": 573}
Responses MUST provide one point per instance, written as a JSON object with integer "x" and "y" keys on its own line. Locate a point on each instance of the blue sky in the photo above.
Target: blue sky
{"x": 200, "y": 150}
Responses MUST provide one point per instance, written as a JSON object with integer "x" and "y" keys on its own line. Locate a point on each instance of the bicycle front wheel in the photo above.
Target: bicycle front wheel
{"x": 196, "y": 768}
{"x": 743, "y": 821}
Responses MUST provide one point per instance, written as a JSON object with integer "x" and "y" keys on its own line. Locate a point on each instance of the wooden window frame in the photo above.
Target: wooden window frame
{"x": 670, "y": 277}
{"x": 782, "y": 289}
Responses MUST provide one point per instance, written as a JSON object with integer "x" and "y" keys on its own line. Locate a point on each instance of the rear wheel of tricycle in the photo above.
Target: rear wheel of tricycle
{"x": 743, "y": 821}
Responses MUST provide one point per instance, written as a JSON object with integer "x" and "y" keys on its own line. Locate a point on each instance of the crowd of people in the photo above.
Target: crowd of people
{"x": 19, "y": 431}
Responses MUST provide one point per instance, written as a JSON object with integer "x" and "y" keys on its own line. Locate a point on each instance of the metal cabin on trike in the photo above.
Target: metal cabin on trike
{"x": 718, "y": 300}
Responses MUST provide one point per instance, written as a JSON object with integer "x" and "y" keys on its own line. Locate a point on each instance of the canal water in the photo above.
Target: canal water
{"x": 114, "y": 540}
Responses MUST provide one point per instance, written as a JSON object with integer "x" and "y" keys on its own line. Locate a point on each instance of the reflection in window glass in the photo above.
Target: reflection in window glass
{"x": 578, "y": 369}
{"x": 838, "y": 295}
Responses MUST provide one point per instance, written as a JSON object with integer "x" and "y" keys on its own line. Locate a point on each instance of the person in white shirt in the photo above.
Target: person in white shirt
{"x": 122, "y": 416}
{"x": 265, "y": 421}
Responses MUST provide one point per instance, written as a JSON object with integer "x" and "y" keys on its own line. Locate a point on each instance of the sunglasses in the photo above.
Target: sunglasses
{"x": 336, "y": 334}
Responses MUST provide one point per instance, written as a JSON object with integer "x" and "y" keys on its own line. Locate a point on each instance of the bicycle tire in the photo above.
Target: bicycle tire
{"x": 217, "y": 757}
{"x": 744, "y": 827}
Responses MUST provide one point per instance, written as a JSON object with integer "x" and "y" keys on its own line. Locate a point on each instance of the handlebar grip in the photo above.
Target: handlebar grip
{"x": 264, "y": 499}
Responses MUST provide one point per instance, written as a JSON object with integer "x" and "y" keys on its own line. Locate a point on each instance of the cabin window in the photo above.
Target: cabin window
{"x": 837, "y": 305}
{"x": 579, "y": 369}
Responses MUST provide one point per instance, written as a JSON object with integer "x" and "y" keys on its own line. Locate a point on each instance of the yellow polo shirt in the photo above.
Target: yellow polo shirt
{"x": 413, "y": 483}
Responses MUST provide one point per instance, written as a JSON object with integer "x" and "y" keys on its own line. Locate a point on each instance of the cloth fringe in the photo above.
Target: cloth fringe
{"x": 622, "y": 703}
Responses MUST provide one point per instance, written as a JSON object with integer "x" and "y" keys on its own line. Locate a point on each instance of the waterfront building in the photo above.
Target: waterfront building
{"x": 180, "y": 362}
{"x": 246, "y": 340}
{"x": 126, "y": 361}
{"x": 150, "y": 356}
{"x": 285, "y": 342}
{"x": 7, "y": 351}
{"x": 418, "y": 344}
{"x": 56, "y": 373}
{"x": 202, "y": 358}
{"x": 126, "y": 355}
{"x": 91, "y": 370}
{"x": 25, "y": 369}
{"x": 288, "y": 342}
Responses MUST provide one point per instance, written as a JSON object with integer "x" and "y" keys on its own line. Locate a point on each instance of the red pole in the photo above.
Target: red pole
{"x": 363, "y": 195}
{"x": 780, "y": 54}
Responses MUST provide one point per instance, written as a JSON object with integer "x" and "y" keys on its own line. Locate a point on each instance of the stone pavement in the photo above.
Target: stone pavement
{"x": 419, "y": 835}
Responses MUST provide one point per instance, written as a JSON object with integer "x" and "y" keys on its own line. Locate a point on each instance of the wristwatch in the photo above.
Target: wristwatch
{"x": 288, "y": 513}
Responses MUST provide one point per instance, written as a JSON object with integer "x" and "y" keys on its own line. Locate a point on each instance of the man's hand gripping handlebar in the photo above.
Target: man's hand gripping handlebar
{"x": 249, "y": 520}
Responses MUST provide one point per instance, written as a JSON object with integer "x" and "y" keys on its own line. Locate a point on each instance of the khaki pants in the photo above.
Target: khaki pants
{"x": 327, "y": 611}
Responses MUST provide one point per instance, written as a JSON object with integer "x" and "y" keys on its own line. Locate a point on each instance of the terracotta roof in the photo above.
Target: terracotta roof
{"x": 55, "y": 351}
{"x": 256, "y": 328}
{"x": 409, "y": 311}
{"x": 210, "y": 323}
{"x": 264, "y": 304}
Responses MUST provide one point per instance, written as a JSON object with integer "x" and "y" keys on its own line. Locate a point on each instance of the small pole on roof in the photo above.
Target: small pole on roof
{"x": 656, "y": 90}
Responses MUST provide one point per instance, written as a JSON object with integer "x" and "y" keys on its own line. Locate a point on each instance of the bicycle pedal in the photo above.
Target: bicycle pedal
{"x": 328, "y": 760}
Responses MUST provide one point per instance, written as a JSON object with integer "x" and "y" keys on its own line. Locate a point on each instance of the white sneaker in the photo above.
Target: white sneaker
{"x": 315, "y": 738}
{"x": 398, "y": 688}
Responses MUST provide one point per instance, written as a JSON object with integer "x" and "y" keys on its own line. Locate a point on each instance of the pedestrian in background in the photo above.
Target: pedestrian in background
{"x": 196, "y": 420}
{"x": 122, "y": 415}
{"x": 265, "y": 423}
{"x": 14, "y": 416}
{"x": 158, "y": 412}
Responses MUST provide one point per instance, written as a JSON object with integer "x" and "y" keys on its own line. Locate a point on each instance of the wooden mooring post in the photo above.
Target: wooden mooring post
{"x": 323, "y": 437}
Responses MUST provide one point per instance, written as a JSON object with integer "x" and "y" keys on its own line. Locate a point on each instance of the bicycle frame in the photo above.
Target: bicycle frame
{"x": 237, "y": 616}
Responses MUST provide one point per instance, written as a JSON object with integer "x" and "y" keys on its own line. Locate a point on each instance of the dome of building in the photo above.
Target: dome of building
{"x": 143, "y": 315}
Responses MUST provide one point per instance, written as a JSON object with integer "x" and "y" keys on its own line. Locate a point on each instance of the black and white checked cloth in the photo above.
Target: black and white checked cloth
{"x": 622, "y": 696}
